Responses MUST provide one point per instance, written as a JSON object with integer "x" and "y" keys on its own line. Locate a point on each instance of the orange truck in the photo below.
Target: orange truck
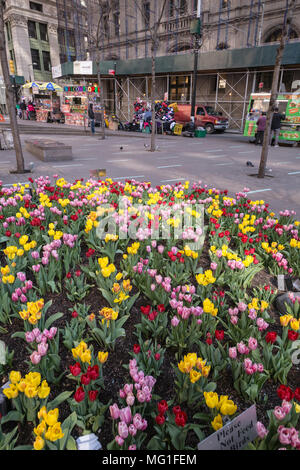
{"x": 205, "y": 116}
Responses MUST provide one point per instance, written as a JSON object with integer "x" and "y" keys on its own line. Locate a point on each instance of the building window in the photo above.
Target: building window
{"x": 35, "y": 56}
{"x": 182, "y": 7}
{"x": 146, "y": 14}
{"x": 172, "y": 7}
{"x": 8, "y": 31}
{"x": 106, "y": 25}
{"x": 179, "y": 88}
{"x": 225, "y": 3}
{"x": 117, "y": 23}
{"x": 43, "y": 32}
{"x": 32, "y": 29}
{"x": 275, "y": 36}
{"x": 71, "y": 37}
{"x": 35, "y": 6}
{"x": 47, "y": 61}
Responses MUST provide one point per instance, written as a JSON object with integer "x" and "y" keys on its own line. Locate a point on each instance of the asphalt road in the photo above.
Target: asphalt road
{"x": 218, "y": 160}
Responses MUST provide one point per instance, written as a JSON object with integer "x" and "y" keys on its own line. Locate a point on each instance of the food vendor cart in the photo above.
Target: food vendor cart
{"x": 288, "y": 104}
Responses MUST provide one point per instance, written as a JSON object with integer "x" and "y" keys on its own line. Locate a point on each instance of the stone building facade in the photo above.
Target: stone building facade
{"x": 32, "y": 41}
{"x": 227, "y": 24}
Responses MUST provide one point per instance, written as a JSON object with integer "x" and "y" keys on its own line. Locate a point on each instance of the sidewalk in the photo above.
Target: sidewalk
{"x": 29, "y": 127}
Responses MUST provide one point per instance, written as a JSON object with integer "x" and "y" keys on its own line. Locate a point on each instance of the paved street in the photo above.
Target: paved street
{"x": 217, "y": 160}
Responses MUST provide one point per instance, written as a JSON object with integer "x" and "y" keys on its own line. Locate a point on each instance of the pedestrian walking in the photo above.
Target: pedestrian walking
{"x": 261, "y": 127}
{"x": 275, "y": 126}
{"x": 91, "y": 115}
{"x": 23, "y": 109}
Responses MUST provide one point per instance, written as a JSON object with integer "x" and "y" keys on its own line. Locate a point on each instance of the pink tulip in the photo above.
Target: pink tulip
{"x": 114, "y": 411}
{"x": 252, "y": 344}
{"x": 137, "y": 421}
{"x": 14, "y": 297}
{"x": 42, "y": 349}
{"x": 125, "y": 415}
{"x": 119, "y": 440}
{"x": 29, "y": 336}
{"x": 232, "y": 353}
{"x": 123, "y": 429}
{"x": 261, "y": 430}
{"x": 35, "y": 357}
{"x": 130, "y": 399}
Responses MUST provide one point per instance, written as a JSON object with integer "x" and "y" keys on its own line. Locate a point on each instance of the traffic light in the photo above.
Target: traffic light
{"x": 12, "y": 67}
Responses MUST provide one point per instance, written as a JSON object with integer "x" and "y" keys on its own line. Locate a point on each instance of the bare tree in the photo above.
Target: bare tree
{"x": 274, "y": 91}
{"x": 153, "y": 28}
{"x": 10, "y": 95}
{"x": 97, "y": 39}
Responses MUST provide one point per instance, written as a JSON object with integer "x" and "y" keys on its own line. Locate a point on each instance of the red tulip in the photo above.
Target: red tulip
{"x": 271, "y": 337}
{"x": 146, "y": 310}
{"x": 76, "y": 369}
{"x": 93, "y": 372}
{"x": 93, "y": 395}
{"x": 219, "y": 334}
{"x": 292, "y": 335}
{"x": 85, "y": 379}
{"x": 162, "y": 407}
{"x": 160, "y": 419}
{"x": 180, "y": 419}
{"x": 79, "y": 395}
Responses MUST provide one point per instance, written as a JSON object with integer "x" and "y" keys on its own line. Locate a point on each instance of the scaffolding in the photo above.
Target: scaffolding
{"x": 133, "y": 42}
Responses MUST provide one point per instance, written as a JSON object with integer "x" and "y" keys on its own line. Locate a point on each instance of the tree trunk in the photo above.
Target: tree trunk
{"x": 101, "y": 96}
{"x": 153, "y": 94}
{"x": 274, "y": 90}
{"x": 10, "y": 96}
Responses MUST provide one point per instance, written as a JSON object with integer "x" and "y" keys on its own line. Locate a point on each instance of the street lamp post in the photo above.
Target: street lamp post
{"x": 196, "y": 31}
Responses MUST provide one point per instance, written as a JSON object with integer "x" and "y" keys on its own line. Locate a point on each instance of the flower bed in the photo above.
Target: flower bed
{"x": 144, "y": 315}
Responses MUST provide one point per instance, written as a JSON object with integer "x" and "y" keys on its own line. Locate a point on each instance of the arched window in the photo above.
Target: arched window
{"x": 180, "y": 48}
{"x": 275, "y": 35}
{"x": 222, "y": 45}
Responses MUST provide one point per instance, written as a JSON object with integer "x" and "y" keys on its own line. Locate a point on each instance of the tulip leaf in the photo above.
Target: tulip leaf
{"x": 52, "y": 319}
{"x": 59, "y": 399}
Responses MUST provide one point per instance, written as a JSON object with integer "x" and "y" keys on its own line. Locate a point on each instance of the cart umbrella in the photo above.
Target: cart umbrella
{"x": 50, "y": 86}
{"x": 30, "y": 85}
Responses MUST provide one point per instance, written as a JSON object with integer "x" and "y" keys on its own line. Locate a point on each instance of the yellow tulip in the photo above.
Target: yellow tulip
{"x": 52, "y": 417}
{"x": 11, "y": 391}
{"x": 42, "y": 413}
{"x": 228, "y": 408}
{"x": 102, "y": 356}
{"x": 39, "y": 443}
{"x": 217, "y": 423}
{"x": 40, "y": 429}
{"x": 211, "y": 399}
{"x": 15, "y": 377}
{"x": 194, "y": 376}
{"x": 295, "y": 324}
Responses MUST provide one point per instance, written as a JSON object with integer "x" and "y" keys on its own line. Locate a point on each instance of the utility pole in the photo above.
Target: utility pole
{"x": 10, "y": 96}
{"x": 196, "y": 31}
{"x": 274, "y": 91}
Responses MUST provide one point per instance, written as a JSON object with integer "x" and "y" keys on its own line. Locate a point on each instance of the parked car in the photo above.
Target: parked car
{"x": 205, "y": 116}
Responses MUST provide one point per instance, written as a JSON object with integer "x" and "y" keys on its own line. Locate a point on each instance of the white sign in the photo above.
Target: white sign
{"x": 83, "y": 67}
{"x": 234, "y": 435}
{"x": 56, "y": 71}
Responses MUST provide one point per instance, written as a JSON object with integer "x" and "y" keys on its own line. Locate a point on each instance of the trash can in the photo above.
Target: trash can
{"x": 200, "y": 133}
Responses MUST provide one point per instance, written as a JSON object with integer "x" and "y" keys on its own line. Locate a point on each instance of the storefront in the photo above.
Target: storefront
{"x": 76, "y": 100}
{"x": 46, "y": 98}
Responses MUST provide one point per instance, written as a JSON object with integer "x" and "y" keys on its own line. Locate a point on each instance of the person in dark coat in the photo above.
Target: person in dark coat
{"x": 275, "y": 126}
{"x": 23, "y": 109}
{"x": 91, "y": 115}
{"x": 261, "y": 127}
